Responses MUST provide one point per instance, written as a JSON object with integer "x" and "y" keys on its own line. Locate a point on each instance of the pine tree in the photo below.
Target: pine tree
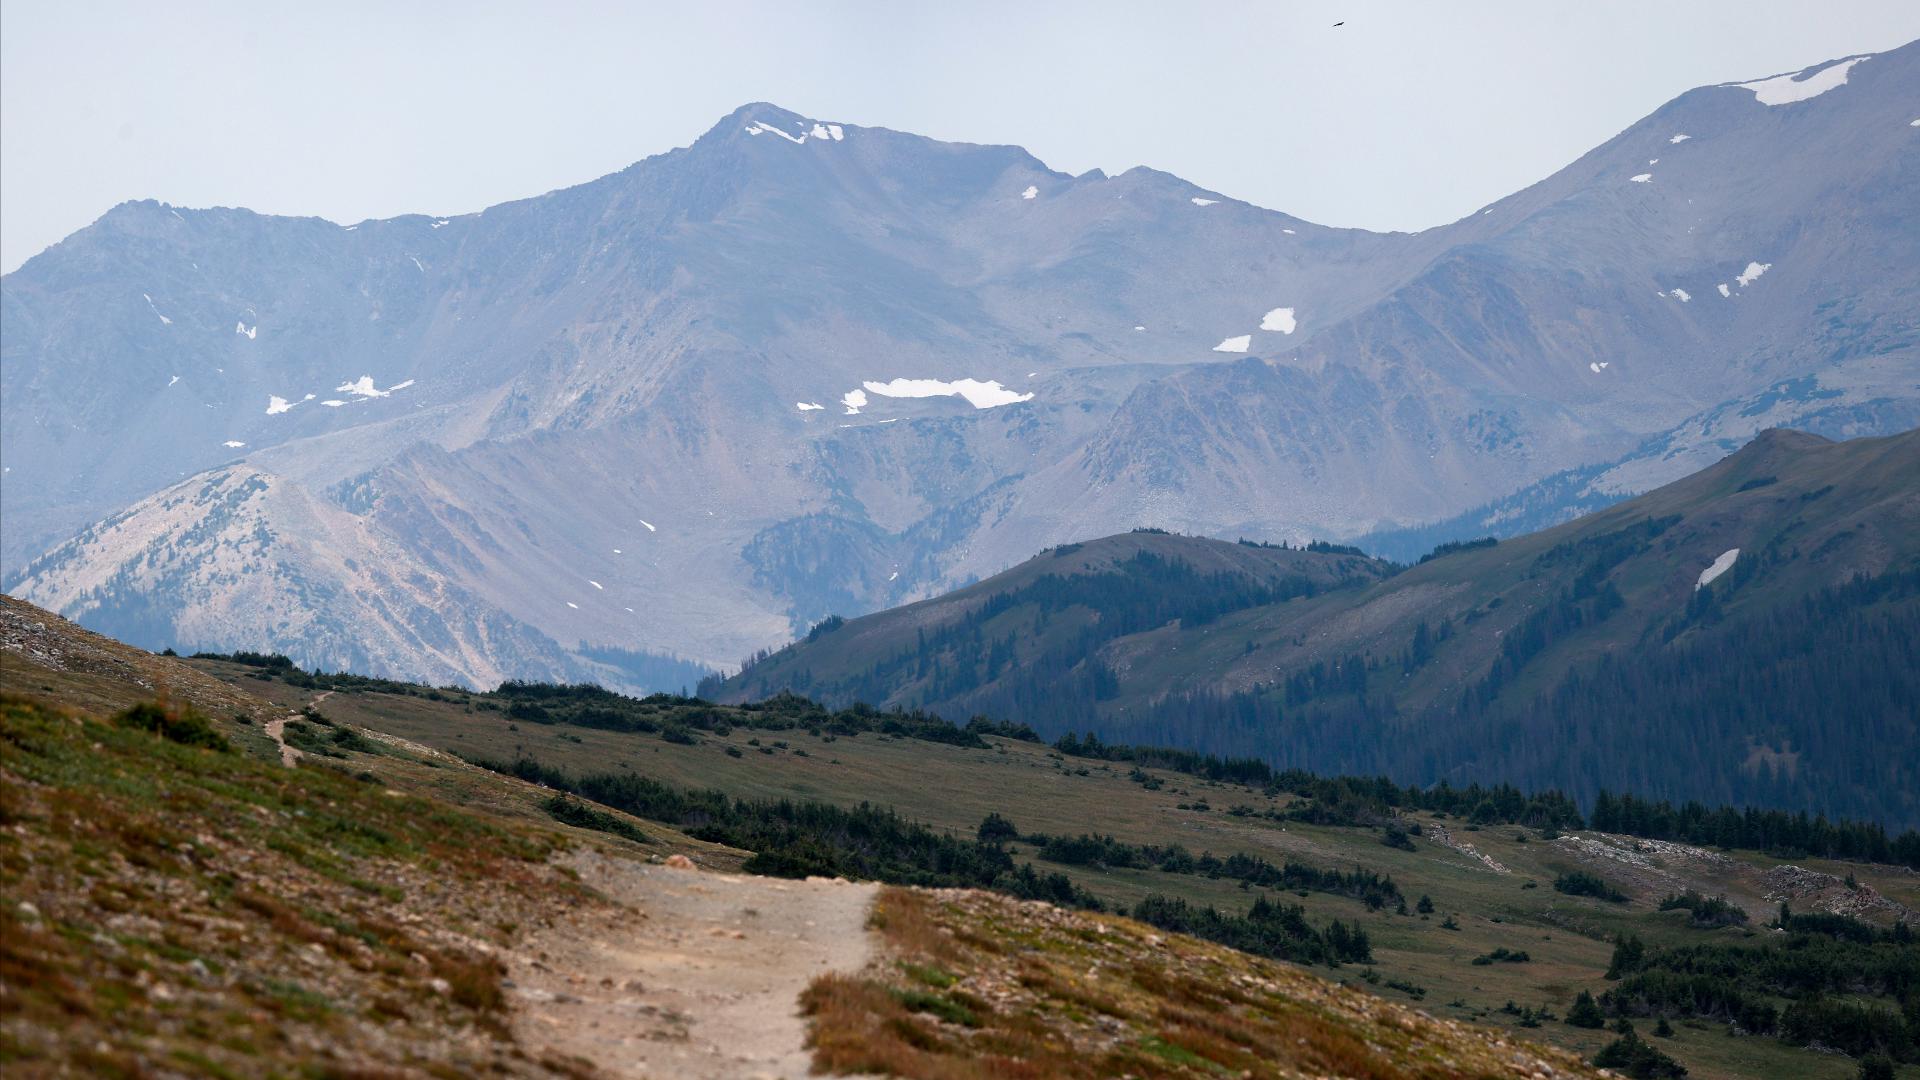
{"x": 1586, "y": 1012}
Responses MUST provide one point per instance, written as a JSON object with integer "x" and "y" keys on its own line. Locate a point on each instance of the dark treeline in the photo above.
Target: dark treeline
{"x": 1336, "y": 800}
{"x": 1267, "y": 929}
{"x": 1822, "y": 965}
{"x": 798, "y": 839}
{"x": 1757, "y": 830}
{"x": 1348, "y": 800}
{"x": 1374, "y": 890}
{"x": 1046, "y": 666}
{"x": 1829, "y": 680}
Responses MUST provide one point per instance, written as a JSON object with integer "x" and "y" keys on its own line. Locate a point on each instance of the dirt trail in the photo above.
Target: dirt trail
{"x": 693, "y": 975}
{"x": 277, "y": 731}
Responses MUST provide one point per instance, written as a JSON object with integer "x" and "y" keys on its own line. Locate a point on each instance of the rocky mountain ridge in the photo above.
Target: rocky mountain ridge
{"x": 804, "y": 367}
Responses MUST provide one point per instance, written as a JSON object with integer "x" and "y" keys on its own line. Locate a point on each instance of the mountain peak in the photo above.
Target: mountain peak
{"x": 761, "y": 118}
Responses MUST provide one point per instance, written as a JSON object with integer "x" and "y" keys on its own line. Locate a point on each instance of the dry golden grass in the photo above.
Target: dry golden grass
{"x": 976, "y": 985}
{"x": 173, "y": 909}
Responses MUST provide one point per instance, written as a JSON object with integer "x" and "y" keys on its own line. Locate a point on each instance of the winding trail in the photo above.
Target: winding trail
{"x": 277, "y": 731}
{"x": 689, "y": 974}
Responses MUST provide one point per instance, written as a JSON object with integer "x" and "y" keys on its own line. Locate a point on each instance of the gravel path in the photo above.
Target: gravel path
{"x": 692, "y": 974}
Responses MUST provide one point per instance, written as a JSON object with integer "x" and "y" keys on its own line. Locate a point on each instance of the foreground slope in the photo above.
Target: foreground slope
{"x": 1746, "y": 635}
{"x": 804, "y": 367}
{"x": 1443, "y": 883}
{"x": 176, "y": 904}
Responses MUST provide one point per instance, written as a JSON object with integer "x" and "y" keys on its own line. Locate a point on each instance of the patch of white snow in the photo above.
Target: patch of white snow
{"x": 164, "y": 321}
{"x": 1235, "y": 344}
{"x": 1720, "y": 566}
{"x": 1031, "y": 192}
{"x": 854, "y": 400}
{"x": 1203, "y": 202}
{"x": 758, "y": 128}
{"x": 648, "y": 524}
{"x": 1642, "y": 178}
{"x": 363, "y": 387}
{"x": 1724, "y": 291}
{"x": 233, "y": 445}
{"x": 332, "y": 403}
{"x": 173, "y": 380}
{"x": 1678, "y": 139}
{"x": 979, "y": 394}
{"x": 1786, "y": 90}
{"x": 596, "y": 585}
{"x": 242, "y": 328}
{"x": 1280, "y": 320}
{"x": 277, "y": 405}
{"x": 1596, "y": 368}
{"x": 399, "y": 386}
{"x": 1682, "y": 295}
{"x": 1752, "y": 273}
{"x": 807, "y": 406}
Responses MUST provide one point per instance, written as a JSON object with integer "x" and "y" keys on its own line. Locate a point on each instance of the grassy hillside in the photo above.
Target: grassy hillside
{"x": 1582, "y": 657}
{"x": 179, "y": 902}
{"x": 1491, "y": 885}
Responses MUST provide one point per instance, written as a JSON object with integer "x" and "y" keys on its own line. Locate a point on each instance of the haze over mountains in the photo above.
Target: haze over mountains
{"x": 804, "y": 367}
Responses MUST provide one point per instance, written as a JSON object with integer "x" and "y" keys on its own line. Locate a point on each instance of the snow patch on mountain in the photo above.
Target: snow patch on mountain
{"x": 1235, "y": 344}
{"x": 1752, "y": 273}
{"x": 1719, "y": 566}
{"x": 1279, "y": 320}
{"x": 1788, "y": 89}
{"x": 854, "y": 400}
{"x": 164, "y": 321}
{"x": 807, "y": 406}
{"x": 1682, "y": 295}
{"x": 1678, "y": 139}
{"x": 244, "y": 330}
{"x": 979, "y": 394}
{"x": 758, "y": 128}
{"x": 277, "y": 405}
{"x": 1642, "y": 178}
{"x": 1197, "y": 201}
{"x": 1031, "y": 192}
{"x": 362, "y": 387}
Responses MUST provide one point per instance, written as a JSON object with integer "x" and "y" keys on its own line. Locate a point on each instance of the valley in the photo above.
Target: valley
{"x": 1494, "y": 882}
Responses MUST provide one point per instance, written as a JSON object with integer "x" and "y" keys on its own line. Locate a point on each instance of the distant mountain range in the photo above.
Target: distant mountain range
{"x": 1750, "y": 634}
{"x": 660, "y": 420}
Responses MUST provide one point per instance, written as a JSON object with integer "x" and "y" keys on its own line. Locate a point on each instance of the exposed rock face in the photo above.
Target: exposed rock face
{"x": 696, "y": 403}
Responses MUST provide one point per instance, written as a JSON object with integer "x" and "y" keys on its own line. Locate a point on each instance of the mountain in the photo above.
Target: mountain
{"x": 802, "y": 368}
{"x": 1745, "y": 635}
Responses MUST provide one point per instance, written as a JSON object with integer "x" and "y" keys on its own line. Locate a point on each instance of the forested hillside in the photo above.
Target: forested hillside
{"x": 1748, "y": 635}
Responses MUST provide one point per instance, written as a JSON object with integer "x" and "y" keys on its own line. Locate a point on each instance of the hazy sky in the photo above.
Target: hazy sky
{"x": 1408, "y": 116}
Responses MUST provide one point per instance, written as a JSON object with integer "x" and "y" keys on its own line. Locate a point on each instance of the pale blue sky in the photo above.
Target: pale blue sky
{"x": 1411, "y": 115}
